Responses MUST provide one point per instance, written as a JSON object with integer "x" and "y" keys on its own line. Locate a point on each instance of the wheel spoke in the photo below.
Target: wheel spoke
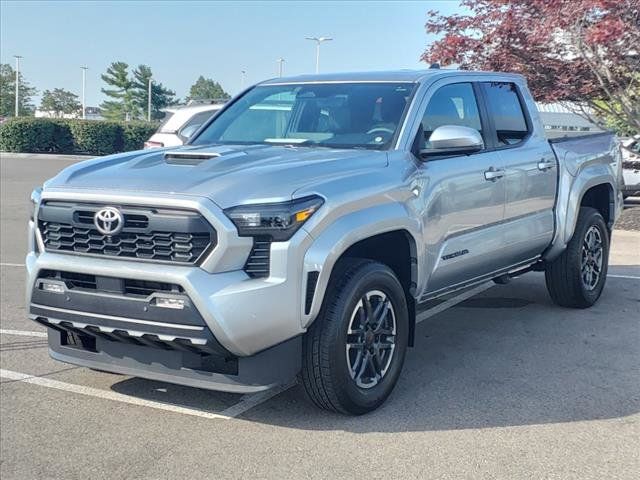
{"x": 364, "y": 361}
{"x": 375, "y": 367}
{"x": 382, "y": 313}
{"x": 368, "y": 310}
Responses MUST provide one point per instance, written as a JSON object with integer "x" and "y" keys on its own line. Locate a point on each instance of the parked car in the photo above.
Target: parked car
{"x": 303, "y": 229}
{"x": 180, "y": 123}
{"x": 631, "y": 167}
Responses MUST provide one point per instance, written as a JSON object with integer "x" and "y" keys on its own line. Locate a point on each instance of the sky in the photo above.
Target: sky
{"x": 182, "y": 40}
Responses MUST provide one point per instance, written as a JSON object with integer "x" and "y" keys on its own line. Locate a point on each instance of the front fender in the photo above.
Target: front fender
{"x": 344, "y": 232}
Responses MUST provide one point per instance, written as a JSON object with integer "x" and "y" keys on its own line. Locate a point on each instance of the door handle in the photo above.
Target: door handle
{"x": 545, "y": 165}
{"x": 493, "y": 174}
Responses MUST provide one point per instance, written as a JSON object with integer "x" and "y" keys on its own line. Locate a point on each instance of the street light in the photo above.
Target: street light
{"x": 84, "y": 82}
{"x": 280, "y": 63}
{"x": 149, "y": 102}
{"x": 17, "y": 57}
{"x": 318, "y": 41}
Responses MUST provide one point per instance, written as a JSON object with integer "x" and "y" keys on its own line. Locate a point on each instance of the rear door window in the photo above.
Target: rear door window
{"x": 506, "y": 112}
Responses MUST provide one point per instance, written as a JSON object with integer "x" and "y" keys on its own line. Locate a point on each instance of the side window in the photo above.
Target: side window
{"x": 505, "y": 109}
{"x": 453, "y": 104}
{"x": 190, "y": 127}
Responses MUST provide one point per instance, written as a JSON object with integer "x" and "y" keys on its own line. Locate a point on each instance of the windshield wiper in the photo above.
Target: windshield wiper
{"x": 292, "y": 142}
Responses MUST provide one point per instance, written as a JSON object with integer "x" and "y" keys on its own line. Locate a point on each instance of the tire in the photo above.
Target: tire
{"x": 567, "y": 283}
{"x": 356, "y": 378}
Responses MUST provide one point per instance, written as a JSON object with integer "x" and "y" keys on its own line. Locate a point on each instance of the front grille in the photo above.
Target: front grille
{"x": 161, "y": 235}
{"x": 71, "y": 279}
{"x": 257, "y": 265}
{"x": 126, "y": 286}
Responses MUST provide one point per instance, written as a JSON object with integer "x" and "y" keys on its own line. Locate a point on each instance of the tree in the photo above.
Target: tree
{"x": 579, "y": 51}
{"x": 60, "y": 102}
{"x": 121, "y": 107}
{"x": 206, "y": 88}
{"x": 161, "y": 97}
{"x": 8, "y": 93}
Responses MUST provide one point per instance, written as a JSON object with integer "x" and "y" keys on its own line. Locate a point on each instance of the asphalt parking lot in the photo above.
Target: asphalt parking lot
{"x": 503, "y": 384}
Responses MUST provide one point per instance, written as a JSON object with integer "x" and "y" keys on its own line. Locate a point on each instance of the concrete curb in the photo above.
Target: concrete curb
{"x": 45, "y": 156}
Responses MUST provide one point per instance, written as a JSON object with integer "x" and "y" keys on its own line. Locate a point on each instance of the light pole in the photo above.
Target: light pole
{"x": 17, "y": 57}
{"x": 84, "y": 83}
{"x": 318, "y": 41}
{"x": 242, "y": 75}
{"x": 280, "y": 63}
{"x": 149, "y": 102}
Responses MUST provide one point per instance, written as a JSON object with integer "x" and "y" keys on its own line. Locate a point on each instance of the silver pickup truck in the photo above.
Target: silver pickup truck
{"x": 303, "y": 228}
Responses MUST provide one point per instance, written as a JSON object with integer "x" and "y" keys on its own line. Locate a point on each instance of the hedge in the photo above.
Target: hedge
{"x": 92, "y": 137}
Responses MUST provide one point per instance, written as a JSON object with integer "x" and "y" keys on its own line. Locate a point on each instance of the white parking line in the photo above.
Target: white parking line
{"x": 3, "y": 264}
{"x": 23, "y": 333}
{"x": 631, "y": 277}
{"x": 247, "y": 402}
{"x": 452, "y": 302}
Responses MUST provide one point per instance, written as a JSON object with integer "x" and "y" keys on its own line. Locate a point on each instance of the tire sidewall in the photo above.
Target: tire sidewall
{"x": 372, "y": 277}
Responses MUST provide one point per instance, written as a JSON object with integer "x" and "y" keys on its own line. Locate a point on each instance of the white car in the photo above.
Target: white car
{"x": 631, "y": 167}
{"x": 180, "y": 123}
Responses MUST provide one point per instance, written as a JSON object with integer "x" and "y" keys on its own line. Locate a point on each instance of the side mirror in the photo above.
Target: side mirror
{"x": 452, "y": 139}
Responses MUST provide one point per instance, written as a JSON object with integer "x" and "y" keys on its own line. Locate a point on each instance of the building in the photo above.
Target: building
{"x": 91, "y": 113}
{"x": 558, "y": 120}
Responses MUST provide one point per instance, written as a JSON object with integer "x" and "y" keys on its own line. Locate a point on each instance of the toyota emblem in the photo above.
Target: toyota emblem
{"x": 108, "y": 221}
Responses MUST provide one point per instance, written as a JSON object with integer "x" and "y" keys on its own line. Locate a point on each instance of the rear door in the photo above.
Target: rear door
{"x": 463, "y": 206}
{"x": 530, "y": 171}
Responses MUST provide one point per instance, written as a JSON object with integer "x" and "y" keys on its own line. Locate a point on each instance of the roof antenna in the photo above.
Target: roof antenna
{"x": 434, "y": 65}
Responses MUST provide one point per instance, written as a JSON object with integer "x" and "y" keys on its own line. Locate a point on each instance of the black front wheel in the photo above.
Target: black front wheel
{"x": 354, "y": 351}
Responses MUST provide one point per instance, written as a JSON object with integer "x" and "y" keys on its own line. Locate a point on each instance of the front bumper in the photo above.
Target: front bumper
{"x": 134, "y": 336}
{"x": 255, "y": 323}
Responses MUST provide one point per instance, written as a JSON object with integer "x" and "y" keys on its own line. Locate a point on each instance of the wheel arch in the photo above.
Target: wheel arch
{"x": 392, "y": 239}
{"x": 595, "y": 188}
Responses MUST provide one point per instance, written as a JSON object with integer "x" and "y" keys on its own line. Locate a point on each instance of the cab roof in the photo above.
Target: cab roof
{"x": 400, "y": 76}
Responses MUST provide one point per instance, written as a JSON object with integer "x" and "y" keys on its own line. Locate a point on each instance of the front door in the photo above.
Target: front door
{"x": 462, "y": 198}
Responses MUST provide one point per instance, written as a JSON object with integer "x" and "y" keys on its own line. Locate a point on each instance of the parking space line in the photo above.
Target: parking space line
{"x": 452, "y": 302}
{"x": 631, "y": 277}
{"x": 3, "y": 264}
{"x": 23, "y": 333}
{"x": 247, "y": 402}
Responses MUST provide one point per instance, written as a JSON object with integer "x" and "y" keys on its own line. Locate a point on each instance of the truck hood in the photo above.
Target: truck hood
{"x": 228, "y": 175}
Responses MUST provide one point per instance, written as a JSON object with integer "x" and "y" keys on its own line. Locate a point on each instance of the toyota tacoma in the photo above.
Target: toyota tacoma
{"x": 301, "y": 231}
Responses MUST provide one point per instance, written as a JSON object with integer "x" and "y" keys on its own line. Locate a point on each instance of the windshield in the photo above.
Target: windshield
{"x": 343, "y": 115}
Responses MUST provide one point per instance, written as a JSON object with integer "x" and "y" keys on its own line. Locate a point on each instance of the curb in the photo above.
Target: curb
{"x": 45, "y": 156}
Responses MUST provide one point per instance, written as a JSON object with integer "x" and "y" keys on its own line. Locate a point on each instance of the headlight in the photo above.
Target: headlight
{"x": 276, "y": 220}
{"x": 35, "y": 202}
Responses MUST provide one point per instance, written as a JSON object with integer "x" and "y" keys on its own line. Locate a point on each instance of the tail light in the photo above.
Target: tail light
{"x": 150, "y": 144}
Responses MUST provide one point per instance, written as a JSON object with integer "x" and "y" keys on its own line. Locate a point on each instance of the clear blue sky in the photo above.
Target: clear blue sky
{"x": 181, "y": 40}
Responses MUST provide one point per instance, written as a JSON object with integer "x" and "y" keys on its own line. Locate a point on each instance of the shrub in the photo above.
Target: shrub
{"x": 40, "y": 135}
{"x": 134, "y": 134}
{"x": 34, "y": 135}
{"x": 98, "y": 138}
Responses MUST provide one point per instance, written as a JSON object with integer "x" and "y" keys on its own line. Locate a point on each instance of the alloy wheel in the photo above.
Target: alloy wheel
{"x": 371, "y": 337}
{"x": 592, "y": 258}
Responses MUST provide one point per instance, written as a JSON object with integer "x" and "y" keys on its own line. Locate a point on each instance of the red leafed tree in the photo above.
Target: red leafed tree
{"x": 586, "y": 52}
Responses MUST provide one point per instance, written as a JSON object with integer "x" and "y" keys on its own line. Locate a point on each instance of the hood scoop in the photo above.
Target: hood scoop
{"x": 188, "y": 158}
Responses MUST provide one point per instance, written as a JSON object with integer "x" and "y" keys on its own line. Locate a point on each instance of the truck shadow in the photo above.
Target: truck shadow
{"x": 507, "y": 357}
